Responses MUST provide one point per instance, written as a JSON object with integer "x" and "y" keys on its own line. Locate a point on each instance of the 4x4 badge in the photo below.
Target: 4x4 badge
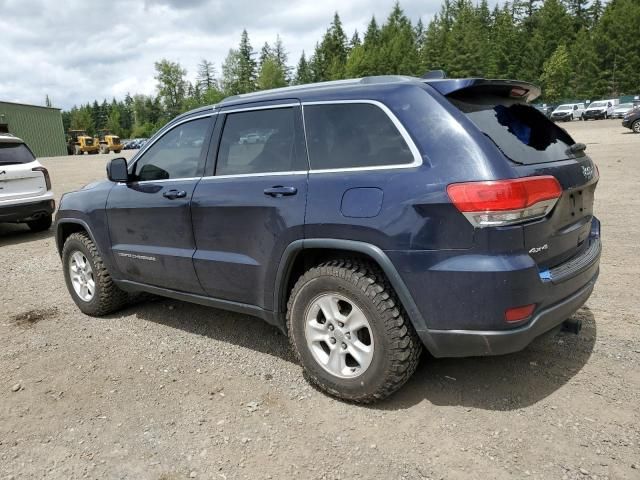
{"x": 587, "y": 172}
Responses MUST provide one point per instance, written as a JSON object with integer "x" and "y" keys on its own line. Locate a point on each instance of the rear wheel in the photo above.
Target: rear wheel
{"x": 635, "y": 126}
{"x": 349, "y": 333}
{"x": 41, "y": 224}
{"x": 87, "y": 279}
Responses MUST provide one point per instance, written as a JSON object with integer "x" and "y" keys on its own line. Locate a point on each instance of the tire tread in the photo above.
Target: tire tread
{"x": 111, "y": 298}
{"x": 405, "y": 348}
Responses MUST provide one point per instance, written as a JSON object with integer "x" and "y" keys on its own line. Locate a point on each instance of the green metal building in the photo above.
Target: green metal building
{"x": 40, "y": 127}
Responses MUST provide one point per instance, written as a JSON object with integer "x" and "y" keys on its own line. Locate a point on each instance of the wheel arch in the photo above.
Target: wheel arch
{"x": 69, "y": 226}
{"x": 302, "y": 254}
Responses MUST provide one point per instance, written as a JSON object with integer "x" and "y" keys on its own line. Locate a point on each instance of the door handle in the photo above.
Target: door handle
{"x": 280, "y": 191}
{"x": 173, "y": 194}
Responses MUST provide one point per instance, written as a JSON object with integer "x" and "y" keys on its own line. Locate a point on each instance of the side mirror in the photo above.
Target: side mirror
{"x": 117, "y": 170}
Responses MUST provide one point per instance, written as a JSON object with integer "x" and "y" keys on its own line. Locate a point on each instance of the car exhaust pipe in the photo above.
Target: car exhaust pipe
{"x": 572, "y": 326}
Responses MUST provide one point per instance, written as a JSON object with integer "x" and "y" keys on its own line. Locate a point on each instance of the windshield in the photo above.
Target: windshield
{"x": 520, "y": 131}
{"x": 564, "y": 107}
{"x": 598, "y": 105}
{"x": 15, "y": 153}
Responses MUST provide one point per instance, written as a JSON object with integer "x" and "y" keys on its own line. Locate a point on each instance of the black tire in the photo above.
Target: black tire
{"x": 41, "y": 224}
{"x": 397, "y": 346}
{"x": 107, "y": 297}
{"x": 635, "y": 126}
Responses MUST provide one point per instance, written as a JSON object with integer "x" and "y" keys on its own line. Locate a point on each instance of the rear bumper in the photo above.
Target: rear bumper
{"x": 473, "y": 343}
{"x": 462, "y": 297}
{"x": 25, "y": 212}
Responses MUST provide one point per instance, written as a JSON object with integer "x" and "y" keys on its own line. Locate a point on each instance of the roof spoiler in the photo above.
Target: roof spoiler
{"x": 515, "y": 89}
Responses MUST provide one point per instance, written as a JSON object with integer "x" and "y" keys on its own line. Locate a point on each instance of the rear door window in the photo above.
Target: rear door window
{"x": 15, "y": 154}
{"x": 520, "y": 131}
{"x": 353, "y": 135}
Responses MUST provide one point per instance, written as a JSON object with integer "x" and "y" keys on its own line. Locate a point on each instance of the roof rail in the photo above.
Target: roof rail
{"x": 294, "y": 88}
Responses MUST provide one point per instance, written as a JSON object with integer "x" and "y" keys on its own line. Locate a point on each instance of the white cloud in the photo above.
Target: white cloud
{"x": 77, "y": 51}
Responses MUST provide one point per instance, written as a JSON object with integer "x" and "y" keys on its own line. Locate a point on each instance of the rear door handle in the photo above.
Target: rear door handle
{"x": 280, "y": 191}
{"x": 173, "y": 194}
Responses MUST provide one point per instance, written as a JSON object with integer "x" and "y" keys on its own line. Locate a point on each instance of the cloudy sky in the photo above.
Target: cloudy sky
{"x": 101, "y": 49}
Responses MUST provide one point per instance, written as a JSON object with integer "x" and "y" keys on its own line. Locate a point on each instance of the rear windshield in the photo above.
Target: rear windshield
{"x": 520, "y": 131}
{"x": 15, "y": 153}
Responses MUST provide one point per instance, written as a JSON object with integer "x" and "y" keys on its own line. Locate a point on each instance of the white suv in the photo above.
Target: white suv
{"x": 568, "y": 112}
{"x": 25, "y": 186}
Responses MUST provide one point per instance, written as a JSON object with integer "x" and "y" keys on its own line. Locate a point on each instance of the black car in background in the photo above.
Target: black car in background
{"x": 631, "y": 120}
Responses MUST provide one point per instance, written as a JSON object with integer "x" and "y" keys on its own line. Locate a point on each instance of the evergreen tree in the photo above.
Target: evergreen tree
{"x": 466, "y": 46}
{"x": 247, "y": 67}
{"x": 355, "y": 40}
{"x": 303, "y": 72}
{"x": 584, "y": 62}
{"x": 330, "y": 56}
{"x": 617, "y": 44}
{"x": 580, "y": 12}
{"x": 505, "y": 40}
{"x": 281, "y": 57}
{"x": 595, "y": 13}
{"x": 264, "y": 53}
{"x": 398, "y": 49}
{"x": 206, "y": 78}
{"x": 556, "y": 73}
{"x": 553, "y": 27}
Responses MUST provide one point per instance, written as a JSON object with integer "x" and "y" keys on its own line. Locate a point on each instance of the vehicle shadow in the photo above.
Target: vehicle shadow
{"x": 234, "y": 328}
{"x": 501, "y": 383}
{"x": 17, "y": 233}
{"x": 506, "y": 382}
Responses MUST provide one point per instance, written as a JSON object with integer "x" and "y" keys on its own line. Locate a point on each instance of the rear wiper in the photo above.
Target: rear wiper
{"x": 576, "y": 147}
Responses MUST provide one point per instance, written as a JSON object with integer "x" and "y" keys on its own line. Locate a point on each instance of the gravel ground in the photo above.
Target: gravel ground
{"x": 168, "y": 390}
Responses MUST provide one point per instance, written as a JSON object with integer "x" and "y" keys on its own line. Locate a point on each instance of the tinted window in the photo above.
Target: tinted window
{"x": 14, "y": 153}
{"x": 353, "y": 135}
{"x": 520, "y": 131}
{"x": 259, "y": 141}
{"x": 176, "y": 154}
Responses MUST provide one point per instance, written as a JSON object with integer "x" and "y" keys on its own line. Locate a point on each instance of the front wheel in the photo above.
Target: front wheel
{"x": 349, "y": 333}
{"x": 635, "y": 126}
{"x": 87, "y": 279}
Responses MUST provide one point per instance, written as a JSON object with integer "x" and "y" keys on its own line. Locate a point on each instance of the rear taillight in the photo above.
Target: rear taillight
{"x": 505, "y": 202}
{"x": 45, "y": 172}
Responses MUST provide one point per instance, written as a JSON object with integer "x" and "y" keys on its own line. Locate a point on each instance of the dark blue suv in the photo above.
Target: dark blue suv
{"x": 365, "y": 218}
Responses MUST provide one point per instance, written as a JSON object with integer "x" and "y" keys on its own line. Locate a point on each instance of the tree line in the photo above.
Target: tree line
{"x": 574, "y": 49}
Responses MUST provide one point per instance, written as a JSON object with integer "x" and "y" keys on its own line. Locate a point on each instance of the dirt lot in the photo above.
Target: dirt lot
{"x": 168, "y": 390}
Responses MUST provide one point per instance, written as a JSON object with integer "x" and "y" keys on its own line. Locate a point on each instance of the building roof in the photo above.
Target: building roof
{"x": 28, "y": 105}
